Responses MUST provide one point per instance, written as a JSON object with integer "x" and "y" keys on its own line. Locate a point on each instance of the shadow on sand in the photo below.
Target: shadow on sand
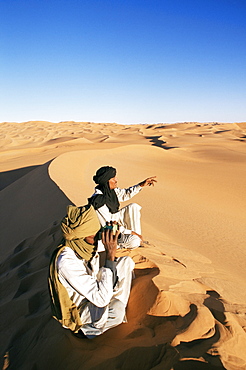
{"x": 29, "y": 206}
{"x": 159, "y": 142}
{"x": 8, "y": 177}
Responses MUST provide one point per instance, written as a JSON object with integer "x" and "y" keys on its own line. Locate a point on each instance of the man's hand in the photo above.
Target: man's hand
{"x": 134, "y": 233}
{"x": 148, "y": 182}
{"x": 109, "y": 240}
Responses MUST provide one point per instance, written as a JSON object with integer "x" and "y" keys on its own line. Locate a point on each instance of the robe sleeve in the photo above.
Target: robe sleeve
{"x": 73, "y": 274}
{"x": 126, "y": 194}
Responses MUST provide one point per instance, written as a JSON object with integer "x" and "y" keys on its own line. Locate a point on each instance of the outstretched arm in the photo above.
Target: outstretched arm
{"x": 148, "y": 182}
{"x": 126, "y": 194}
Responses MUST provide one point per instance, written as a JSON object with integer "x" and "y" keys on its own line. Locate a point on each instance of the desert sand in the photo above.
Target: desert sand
{"x": 187, "y": 308}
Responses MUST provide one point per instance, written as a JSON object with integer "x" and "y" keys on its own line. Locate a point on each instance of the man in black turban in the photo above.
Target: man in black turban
{"x": 106, "y": 201}
{"x": 108, "y": 195}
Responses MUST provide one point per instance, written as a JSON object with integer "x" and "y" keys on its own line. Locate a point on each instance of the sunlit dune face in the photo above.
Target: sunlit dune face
{"x": 113, "y": 182}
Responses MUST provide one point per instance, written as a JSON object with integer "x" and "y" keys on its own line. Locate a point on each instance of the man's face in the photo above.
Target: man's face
{"x": 90, "y": 239}
{"x": 113, "y": 182}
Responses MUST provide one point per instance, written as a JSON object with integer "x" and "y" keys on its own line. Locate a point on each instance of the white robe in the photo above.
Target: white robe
{"x": 101, "y": 305}
{"x": 128, "y": 217}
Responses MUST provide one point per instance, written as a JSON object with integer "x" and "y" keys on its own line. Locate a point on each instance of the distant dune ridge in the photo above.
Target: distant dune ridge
{"x": 187, "y": 308}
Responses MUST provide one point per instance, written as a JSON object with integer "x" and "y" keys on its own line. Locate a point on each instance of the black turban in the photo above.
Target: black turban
{"x": 108, "y": 196}
{"x": 104, "y": 174}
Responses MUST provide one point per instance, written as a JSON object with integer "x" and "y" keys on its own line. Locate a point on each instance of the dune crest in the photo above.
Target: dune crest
{"x": 187, "y": 307}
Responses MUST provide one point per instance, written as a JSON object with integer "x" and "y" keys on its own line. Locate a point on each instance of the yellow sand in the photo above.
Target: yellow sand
{"x": 187, "y": 308}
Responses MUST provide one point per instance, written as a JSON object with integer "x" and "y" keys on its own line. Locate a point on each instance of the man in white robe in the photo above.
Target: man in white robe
{"x": 106, "y": 201}
{"x": 85, "y": 298}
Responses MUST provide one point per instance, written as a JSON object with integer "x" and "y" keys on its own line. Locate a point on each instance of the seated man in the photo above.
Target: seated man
{"x": 106, "y": 200}
{"x": 85, "y": 297}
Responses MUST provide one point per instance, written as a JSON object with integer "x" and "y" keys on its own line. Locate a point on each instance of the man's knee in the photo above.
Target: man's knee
{"x": 134, "y": 206}
{"x": 135, "y": 242}
{"x": 129, "y": 241}
{"x": 117, "y": 311}
{"x": 126, "y": 262}
{"x": 129, "y": 262}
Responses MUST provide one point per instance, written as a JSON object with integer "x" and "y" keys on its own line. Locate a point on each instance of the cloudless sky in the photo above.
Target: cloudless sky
{"x": 124, "y": 61}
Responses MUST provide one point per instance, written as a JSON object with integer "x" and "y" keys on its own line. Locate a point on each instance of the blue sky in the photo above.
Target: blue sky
{"x": 123, "y": 61}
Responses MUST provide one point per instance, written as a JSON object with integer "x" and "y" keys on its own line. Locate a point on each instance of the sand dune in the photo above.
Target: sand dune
{"x": 187, "y": 308}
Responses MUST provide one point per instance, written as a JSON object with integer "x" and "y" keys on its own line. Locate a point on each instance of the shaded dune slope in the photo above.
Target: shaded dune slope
{"x": 28, "y": 206}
